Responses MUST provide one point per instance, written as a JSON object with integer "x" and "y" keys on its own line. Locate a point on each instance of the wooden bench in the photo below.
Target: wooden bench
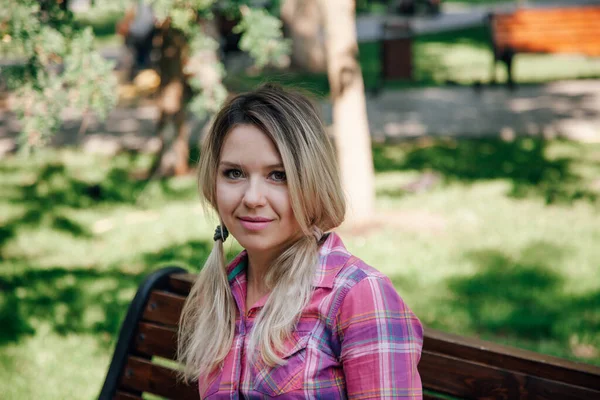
{"x": 571, "y": 30}
{"x": 450, "y": 365}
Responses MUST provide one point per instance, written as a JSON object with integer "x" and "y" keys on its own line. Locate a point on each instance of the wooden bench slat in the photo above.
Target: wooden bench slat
{"x": 550, "y": 19}
{"x": 548, "y": 37}
{"x": 514, "y": 22}
{"x": 160, "y": 340}
{"x": 140, "y": 374}
{"x": 554, "y": 14}
{"x": 181, "y": 283}
{"x": 584, "y": 50}
{"x": 121, "y": 395}
{"x": 563, "y": 48}
{"x": 459, "y": 377}
{"x": 518, "y": 360}
{"x": 565, "y": 25}
{"x": 164, "y": 307}
{"x": 534, "y": 35}
{"x": 156, "y": 340}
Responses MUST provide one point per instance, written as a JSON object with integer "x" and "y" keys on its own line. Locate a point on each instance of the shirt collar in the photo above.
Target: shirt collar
{"x": 237, "y": 265}
{"x": 332, "y": 257}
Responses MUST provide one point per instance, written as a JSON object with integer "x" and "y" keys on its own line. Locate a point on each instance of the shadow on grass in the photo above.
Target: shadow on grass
{"x": 189, "y": 255}
{"x": 431, "y": 49}
{"x": 47, "y": 201}
{"x": 523, "y": 161}
{"x": 55, "y": 192}
{"x": 524, "y": 297}
{"x": 82, "y": 299}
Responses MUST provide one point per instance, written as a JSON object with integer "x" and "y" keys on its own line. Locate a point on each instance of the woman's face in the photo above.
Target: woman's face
{"x": 252, "y": 193}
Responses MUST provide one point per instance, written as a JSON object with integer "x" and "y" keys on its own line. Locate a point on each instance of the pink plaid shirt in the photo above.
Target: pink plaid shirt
{"x": 356, "y": 339}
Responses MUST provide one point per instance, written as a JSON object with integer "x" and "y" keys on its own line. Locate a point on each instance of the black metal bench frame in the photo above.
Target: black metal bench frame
{"x": 155, "y": 281}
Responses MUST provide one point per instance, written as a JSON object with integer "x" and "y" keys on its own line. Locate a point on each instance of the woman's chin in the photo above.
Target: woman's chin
{"x": 256, "y": 242}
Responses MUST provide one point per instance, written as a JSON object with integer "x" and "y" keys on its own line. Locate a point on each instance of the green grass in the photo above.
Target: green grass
{"x": 103, "y": 22}
{"x": 503, "y": 246}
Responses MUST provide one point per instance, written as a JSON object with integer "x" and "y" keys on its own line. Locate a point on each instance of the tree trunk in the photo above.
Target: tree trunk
{"x": 175, "y": 94}
{"x": 172, "y": 101}
{"x": 303, "y": 23}
{"x": 351, "y": 128}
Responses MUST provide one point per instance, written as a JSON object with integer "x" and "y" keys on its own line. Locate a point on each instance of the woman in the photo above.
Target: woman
{"x": 294, "y": 315}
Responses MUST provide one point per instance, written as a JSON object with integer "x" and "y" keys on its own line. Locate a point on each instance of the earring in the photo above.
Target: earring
{"x": 221, "y": 233}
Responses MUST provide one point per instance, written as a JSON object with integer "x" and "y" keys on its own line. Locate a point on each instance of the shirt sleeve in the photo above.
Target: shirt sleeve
{"x": 381, "y": 341}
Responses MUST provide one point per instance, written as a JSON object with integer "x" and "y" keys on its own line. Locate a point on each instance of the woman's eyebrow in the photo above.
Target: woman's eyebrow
{"x": 238, "y": 165}
{"x": 229, "y": 164}
{"x": 274, "y": 166}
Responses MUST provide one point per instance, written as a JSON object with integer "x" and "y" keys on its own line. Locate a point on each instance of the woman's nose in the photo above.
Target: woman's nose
{"x": 255, "y": 194}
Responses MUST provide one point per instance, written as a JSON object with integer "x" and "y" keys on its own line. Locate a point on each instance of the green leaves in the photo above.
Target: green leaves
{"x": 206, "y": 75}
{"x": 51, "y": 47}
{"x": 89, "y": 77}
{"x": 262, "y": 37}
{"x": 18, "y": 26}
{"x": 38, "y": 110}
{"x": 58, "y": 67}
{"x": 182, "y": 18}
{"x": 183, "y": 13}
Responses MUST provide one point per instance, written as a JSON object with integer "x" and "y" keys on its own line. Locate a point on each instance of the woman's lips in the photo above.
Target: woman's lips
{"x": 255, "y": 224}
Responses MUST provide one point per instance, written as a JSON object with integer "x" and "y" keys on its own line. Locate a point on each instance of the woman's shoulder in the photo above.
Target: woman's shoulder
{"x": 341, "y": 269}
{"x": 362, "y": 296}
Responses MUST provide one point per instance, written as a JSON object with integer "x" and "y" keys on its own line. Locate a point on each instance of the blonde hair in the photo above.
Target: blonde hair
{"x": 207, "y": 324}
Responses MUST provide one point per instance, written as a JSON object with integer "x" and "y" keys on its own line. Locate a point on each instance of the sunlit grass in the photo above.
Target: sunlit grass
{"x": 505, "y": 255}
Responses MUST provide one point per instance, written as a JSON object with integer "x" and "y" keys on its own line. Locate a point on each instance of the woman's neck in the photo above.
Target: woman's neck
{"x": 258, "y": 266}
{"x": 256, "y": 272}
{"x": 259, "y": 263}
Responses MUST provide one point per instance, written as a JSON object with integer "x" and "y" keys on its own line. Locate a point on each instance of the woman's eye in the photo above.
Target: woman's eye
{"x": 278, "y": 176}
{"x": 233, "y": 174}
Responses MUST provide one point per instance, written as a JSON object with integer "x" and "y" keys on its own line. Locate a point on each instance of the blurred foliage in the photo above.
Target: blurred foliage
{"x": 266, "y": 44}
{"x": 59, "y": 67}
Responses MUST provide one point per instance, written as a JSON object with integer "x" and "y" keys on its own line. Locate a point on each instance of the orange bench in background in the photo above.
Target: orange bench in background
{"x": 569, "y": 30}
